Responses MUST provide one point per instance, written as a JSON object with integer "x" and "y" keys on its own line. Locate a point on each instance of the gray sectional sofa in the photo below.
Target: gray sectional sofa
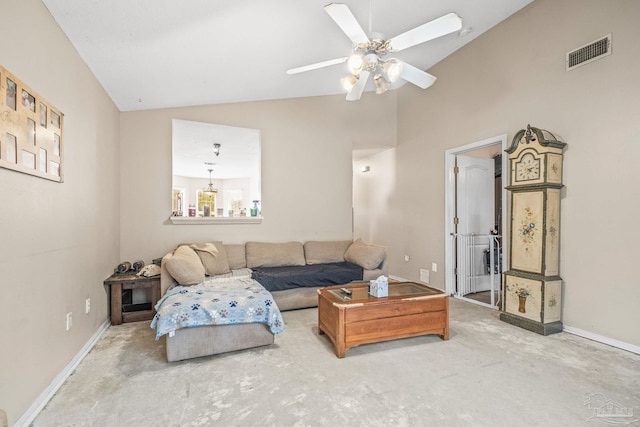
{"x": 223, "y": 260}
{"x": 253, "y": 255}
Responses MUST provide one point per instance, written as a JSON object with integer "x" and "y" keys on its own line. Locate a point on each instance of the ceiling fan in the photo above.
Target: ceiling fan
{"x": 368, "y": 53}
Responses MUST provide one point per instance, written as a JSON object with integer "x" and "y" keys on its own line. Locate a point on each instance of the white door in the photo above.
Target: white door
{"x": 475, "y": 182}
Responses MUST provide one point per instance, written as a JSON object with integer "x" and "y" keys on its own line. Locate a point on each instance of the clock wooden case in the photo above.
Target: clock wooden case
{"x": 532, "y": 290}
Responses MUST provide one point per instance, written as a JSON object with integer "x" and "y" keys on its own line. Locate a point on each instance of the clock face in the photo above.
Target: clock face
{"x": 528, "y": 168}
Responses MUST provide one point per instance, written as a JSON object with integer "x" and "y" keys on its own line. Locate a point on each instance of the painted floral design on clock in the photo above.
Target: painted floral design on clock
{"x": 528, "y": 228}
{"x": 555, "y": 171}
{"x": 553, "y": 232}
{"x": 521, "y": 292}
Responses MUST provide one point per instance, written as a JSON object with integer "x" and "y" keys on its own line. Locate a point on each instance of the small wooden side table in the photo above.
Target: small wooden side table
{"x": 120, "y": 282}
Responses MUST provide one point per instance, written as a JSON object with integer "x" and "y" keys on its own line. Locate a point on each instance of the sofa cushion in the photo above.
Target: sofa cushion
{"x": 274, "y": 254}
{"x": 364, "y": 255}
{"x": 185, "y": 266}
{"x": 304, "y": 276}
{"x": 236, "y": 256}
{"x": 325, "y": 252}
{"x": 213, "y": 256}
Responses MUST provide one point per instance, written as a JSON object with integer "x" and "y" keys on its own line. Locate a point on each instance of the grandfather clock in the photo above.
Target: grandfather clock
{"x": 532, "y": 288}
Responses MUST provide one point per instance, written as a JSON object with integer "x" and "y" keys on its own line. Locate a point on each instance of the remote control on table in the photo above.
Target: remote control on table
{"x": 346, "y": 291}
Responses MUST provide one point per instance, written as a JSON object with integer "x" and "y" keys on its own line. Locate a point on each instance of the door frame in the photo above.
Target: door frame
{"x": 450, "y": 204}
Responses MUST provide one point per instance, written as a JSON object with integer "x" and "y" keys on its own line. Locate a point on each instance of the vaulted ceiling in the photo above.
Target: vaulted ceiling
{"x": 152, "y": 54}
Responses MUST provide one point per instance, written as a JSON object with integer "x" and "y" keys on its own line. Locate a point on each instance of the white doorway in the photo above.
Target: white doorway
{"x": 475, "y": 200}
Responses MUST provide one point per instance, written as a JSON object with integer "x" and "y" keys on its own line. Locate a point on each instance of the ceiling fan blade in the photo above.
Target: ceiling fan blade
{"x": 416, "y": 76}
{"x": 317, "y": 65}
{"x": 431, "y": 30}
{"x": 342, "y": 16}
{"x": 357, "y": 90}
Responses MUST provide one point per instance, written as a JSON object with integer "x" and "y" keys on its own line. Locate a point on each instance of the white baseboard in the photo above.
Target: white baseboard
{"x": 575, "y": 331}
{"x": 30, "y": 415}
{"x": 602, "y": 339}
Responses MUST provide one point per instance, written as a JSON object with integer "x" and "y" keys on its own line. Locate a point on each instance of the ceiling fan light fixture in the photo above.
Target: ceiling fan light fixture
{"x": 392, "y": 69}
{"x": 371, "y": 61}
{"x": 356, "y": 63}
{"x": 349, "y": 82}
{"x": 368, "y": 50}
{"x": 381, "y": 84}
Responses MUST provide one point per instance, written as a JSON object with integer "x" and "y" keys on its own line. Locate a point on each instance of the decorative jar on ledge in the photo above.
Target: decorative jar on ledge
{"x": 254, "y": 209}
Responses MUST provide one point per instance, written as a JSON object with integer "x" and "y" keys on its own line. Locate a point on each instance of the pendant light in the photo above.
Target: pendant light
{"x": 210, "y": 191}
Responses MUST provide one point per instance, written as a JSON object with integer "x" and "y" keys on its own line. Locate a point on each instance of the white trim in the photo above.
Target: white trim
{"x": 30, "y": 415}
{"x": 450, "y": 203}
{"x": 602, "y": 339}
{"x": 182, "y": 220}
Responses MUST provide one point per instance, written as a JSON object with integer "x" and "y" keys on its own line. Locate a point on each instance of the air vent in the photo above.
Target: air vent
{"x": 589, "y": 52}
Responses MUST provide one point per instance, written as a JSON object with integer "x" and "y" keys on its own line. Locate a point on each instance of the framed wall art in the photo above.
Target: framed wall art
{"x": 31, "y": 139}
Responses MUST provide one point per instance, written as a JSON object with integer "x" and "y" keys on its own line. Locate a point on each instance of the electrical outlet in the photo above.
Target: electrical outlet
{"x": 87, "y": 305}
{"x": 69, "y": 320}
{"x": 424, "y": 275}
{"x": 434, "y": 267}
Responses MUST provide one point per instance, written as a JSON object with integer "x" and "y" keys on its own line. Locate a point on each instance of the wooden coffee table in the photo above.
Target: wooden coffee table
{"x": 410, "y": 310}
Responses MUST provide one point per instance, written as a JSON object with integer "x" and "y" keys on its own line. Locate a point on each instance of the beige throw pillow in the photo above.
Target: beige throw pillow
{"x": 185, "y": 266}
{"x": 366, "y": 256}
{"x": 325, "y": 252}
{"x": 213, "y": 256}
{"x": 274, "y": 254}
{"x": 236, "y": 256}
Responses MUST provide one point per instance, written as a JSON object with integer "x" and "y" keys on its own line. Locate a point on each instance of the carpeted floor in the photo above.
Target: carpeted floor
{"x": 489, "y": 373}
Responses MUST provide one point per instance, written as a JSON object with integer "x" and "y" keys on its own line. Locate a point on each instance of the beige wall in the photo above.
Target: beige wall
{"x": 58, "y": 242}
{"x": 306, "y": 170}
{"x": 509, "y": 77}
